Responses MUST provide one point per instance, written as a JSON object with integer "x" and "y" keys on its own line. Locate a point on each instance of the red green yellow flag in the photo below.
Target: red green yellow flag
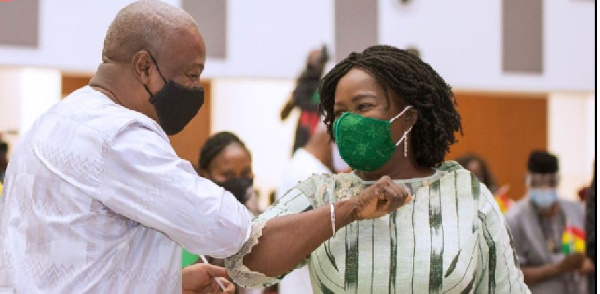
{"x": 504, "y": 201}
{"x": 573, "y": 240}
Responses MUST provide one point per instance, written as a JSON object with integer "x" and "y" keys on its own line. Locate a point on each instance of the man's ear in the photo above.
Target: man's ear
{"x": 142, "y": 66}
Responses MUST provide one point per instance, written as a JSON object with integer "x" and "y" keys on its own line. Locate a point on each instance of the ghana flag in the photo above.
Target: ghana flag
{"x": 504, "y": 201}
{"x": 573, "y": 240}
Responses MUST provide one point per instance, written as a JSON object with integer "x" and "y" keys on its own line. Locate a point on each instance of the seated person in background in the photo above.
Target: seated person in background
{"x": 392, "y": 117}
{"x": 548, "y": 232}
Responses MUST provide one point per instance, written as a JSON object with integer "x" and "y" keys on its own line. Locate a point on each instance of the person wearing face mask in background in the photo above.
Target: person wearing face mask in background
{"x": 548, "y": 232}
{"x": 392, "y": 117}
{"x": 225, "y": 160}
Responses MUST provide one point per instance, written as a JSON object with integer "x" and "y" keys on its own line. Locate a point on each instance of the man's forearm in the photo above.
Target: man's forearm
{"x": 287, "y": 240}
{"x": 538, "y": 274}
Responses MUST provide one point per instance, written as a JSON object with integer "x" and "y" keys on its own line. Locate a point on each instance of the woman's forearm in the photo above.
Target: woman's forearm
{"x": 289, "y": 239}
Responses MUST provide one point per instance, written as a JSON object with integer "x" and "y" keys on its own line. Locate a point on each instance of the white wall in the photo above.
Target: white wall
{"x": 270, "y": 39}
{"x": 571, "y": 136}
{"x": 25, "y": 93}
{"x": 462, "y": 40}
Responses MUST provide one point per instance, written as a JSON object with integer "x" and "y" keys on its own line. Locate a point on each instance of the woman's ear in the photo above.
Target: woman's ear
{"x": 411, "y": 116}
{"x": 142, "y": 65}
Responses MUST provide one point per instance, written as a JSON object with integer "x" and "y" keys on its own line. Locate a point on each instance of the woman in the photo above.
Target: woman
{"x": 477, "y": 165}
{"x": 392, "y": 115}
{"x": 225, "y": 160}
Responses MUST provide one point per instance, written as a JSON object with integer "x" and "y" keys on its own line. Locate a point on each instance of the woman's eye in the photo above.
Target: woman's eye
{"x": 363, "y": 106}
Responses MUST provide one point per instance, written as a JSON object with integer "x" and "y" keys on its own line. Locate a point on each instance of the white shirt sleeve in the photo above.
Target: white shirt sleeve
{"x": 144, "y": 180}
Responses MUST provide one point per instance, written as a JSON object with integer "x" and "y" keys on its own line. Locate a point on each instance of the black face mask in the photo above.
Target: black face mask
{"x": 238, "y": 187}
{"x": 175, "y": 104}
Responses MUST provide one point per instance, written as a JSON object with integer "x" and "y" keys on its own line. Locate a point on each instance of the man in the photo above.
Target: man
{"x": 95, "y": 198}
{"x": 547, "y": 232}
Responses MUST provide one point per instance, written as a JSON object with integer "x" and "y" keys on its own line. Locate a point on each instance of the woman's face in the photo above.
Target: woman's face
{"x": 233, "y": 162}
{"x": 359, "y": 92}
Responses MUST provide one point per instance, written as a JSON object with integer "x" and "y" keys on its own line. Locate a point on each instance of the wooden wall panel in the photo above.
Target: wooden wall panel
{"x": 72, "y": 82}
{"x": 503, "y": 129}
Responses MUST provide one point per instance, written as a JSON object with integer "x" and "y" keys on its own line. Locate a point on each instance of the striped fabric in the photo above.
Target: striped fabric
{"x": 451, "y": 238}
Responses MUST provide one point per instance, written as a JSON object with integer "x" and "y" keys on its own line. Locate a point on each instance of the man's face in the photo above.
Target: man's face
{"x": 181, "y": 61}
{"x": 542, "y": 180}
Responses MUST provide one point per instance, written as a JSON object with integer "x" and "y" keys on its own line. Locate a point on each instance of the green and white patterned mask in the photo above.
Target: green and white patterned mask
{"x": 366, "y": 143}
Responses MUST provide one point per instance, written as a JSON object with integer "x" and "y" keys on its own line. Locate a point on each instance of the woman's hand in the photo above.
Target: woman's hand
{"x": 380, "y": 199}
{"x": 200, "y": 278}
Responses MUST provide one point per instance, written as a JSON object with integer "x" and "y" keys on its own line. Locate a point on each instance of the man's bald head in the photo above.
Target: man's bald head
{"x": 143, "y": 25}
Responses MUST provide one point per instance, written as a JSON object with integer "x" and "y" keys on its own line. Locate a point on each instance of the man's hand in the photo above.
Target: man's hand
{"x": 587, "y": 267}
{"x": 380, "y": 199}
{"x": 571, "y": 262}
{"x": 200, "y": 278}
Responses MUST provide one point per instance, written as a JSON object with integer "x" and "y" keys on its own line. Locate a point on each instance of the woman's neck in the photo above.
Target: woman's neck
{"x": 397, "y": 168}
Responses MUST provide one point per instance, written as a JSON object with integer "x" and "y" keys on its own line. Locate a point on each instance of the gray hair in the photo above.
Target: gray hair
{"x": 143, "y": 25}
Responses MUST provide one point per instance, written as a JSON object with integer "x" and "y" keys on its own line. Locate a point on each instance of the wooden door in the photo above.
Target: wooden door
{"x": 502, "y": 128}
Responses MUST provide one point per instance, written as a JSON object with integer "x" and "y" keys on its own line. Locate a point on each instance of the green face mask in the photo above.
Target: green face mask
{"x": 365, "y": 143}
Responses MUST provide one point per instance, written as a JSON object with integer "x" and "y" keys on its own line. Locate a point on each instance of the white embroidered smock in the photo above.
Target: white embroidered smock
{"x": 95, "y": 200}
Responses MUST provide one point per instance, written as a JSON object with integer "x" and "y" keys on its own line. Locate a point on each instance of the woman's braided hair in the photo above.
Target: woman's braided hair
{"x": 415, "y": 83}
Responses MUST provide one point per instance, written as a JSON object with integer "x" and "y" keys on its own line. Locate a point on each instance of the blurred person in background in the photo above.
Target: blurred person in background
{"x": 591, "y": 230}
{"x": 306, "y": 97}
{"x": 479, "y": 167}
{"x": 225, "y": 160}
{"x": 548, "y": 232}
{"x": 3, "y": 159}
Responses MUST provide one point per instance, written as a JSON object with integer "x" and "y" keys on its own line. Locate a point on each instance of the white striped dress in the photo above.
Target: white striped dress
{"x": 451, "y": 238}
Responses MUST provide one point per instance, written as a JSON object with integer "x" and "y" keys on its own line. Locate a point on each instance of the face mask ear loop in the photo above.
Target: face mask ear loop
{"x": 403, "y": 138}
{"x": 401, "y": 113}
{"x": 158, "y": 69}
